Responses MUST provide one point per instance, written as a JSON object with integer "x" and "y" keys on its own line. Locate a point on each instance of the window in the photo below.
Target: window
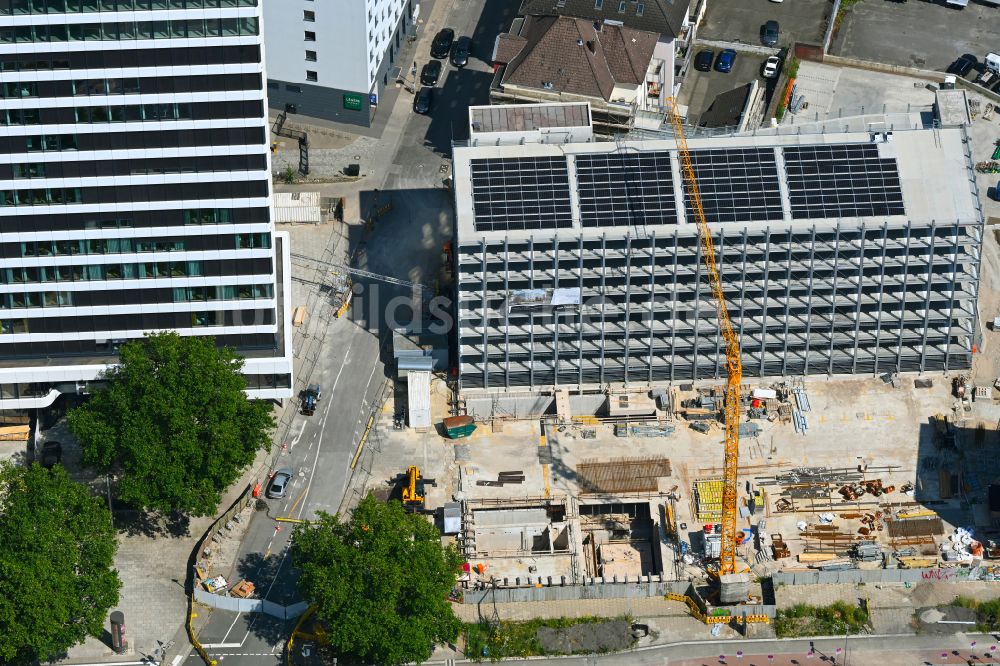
{"x": 311, "y": 56}
{"x": 311, "y": 75}
{"x": 621, "y": 7}
{"x": 639, "y": 9}
{"x": 598, "y": 4}
{"x": 308, "y": 15}
{"x": 310, "y": 36}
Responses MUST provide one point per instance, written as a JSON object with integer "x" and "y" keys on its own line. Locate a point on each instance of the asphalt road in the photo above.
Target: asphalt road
{"x": 405, "y": 243}
{"x": 926, "y": 35}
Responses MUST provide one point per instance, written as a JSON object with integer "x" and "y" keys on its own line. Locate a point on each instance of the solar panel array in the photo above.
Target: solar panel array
{"x": 521, "y": 193}
{"x": 631, "y": 188}
{"x": 625, "y": 188}
{"x": 738, "y": 184}
{"x": 847, "y": 180}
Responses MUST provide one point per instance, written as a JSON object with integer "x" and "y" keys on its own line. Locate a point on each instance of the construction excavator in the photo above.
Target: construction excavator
{"x": 413, "y": 490}
{"x": 727, "y": 565}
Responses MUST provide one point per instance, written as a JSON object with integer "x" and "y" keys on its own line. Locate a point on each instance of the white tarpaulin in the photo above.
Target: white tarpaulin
{"x": 418, "y": 394}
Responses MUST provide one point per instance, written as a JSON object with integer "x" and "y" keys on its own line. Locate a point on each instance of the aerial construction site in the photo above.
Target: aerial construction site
{"x": 686, "y": 366}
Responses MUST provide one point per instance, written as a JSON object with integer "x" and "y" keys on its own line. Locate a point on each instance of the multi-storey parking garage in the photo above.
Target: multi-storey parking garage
{"x": 579, "y": 264}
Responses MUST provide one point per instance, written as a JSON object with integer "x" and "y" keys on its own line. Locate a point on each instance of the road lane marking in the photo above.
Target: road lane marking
{"x": 216, "y": 646}
{"x": 322, "y": 428}
{"x": 238, "y": 616}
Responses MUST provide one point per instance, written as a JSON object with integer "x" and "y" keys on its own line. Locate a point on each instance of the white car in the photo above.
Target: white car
{"x": 771, "y": 66}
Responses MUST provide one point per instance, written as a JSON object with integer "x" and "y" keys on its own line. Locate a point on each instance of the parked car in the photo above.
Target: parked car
{"x": 724, "y": 63}
{"x": 771, "y": 67}
{"x": 51, "y": 454}
{"x": 769, "y": 33}
{"x": 461, "y": 51}
{"x": 703, "y": 61}
{"x": 278, "y": 487}
{"x": 423, "y": 100}
{"x": 430, "y": 73}
{"x": 963, "y": 64}
{"x": 442, "y": 43}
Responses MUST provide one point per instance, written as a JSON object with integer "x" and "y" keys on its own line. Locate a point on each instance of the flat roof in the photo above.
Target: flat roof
{"x": 867, "y": 177}
{"x": 527, "y": 117}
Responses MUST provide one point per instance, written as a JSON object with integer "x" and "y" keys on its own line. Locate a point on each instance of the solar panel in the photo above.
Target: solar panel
{"x": 843, "y": 180}
{"x": 521, "y": 193}
{"x": 738, "y": 184}
{"x": 625, "y": 188}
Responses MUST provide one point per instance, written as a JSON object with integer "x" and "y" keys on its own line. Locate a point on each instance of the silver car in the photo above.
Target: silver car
{"x": 278, "y": 487}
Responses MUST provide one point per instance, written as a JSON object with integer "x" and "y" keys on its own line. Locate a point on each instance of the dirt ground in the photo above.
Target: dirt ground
{"x": 610, "y": 636}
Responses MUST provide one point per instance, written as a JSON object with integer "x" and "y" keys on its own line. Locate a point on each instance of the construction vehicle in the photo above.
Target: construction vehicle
{"x": 413, "y": 490}
{"x": 734, "y": 365}
{"x": 310, "y": 398}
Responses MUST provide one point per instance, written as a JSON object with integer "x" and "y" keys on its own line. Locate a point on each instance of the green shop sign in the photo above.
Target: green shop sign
{"x": 353, "y": 102}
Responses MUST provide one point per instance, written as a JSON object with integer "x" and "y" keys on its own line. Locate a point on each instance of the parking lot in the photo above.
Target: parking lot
{"x": 800, "y": 20}
{"x": 701, "y": 88}
{"x": 917, "y": 34}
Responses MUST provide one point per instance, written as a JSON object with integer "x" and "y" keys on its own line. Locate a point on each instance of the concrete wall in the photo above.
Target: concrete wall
{"x": 556, "y": 592}
{"x": 855, "y": 576}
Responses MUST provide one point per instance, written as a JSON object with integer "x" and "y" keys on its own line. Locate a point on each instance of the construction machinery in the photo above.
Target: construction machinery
{"x": 413, "y": 490}
{"x": 734, "y": 366}
{"x": 310, "y": 398}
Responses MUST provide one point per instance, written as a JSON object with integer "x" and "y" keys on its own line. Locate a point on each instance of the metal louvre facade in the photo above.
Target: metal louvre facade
{"x": 632, "y": 305}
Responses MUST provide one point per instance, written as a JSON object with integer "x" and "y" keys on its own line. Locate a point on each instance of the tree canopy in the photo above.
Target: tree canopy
{"x": 380, "y": 582}
{"x": 173, "y": 423}
{"x": 56, "y": 577}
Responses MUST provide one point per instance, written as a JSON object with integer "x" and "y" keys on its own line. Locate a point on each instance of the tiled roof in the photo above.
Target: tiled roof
{"x": 571, "y": 55}
{"x": 664, "y": 17}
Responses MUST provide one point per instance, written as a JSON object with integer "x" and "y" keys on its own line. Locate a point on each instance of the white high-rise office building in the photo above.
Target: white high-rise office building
{"x": 134, "y": 190}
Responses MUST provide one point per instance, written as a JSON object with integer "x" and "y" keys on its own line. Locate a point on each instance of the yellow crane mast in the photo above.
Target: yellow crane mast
{"x": 734, "y": 366}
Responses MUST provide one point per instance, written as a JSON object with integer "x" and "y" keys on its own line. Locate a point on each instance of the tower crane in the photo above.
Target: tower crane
{"x": 734, "y": 366}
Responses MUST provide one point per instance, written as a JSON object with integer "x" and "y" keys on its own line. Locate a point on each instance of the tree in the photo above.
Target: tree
{"x": 57, "y": 547}
{"x": 380, "y": 582}
{"x": 173, "y": 423}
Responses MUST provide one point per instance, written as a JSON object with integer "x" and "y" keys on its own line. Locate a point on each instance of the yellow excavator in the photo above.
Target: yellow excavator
{"x": 734, "y": 365}
{"x": 413, "y": 490}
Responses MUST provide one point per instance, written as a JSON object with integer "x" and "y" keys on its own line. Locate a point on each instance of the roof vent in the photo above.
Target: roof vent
{"x": 547, "y": 85}
{"x": 591, "y": 47}
{"x": 579, "y": 42}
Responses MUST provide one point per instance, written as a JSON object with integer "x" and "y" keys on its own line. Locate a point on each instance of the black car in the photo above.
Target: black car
{"x": 461, "y": 51}
{"x": 963, "y": 65}
{"x": 423, "y": 99}
{"x": 51, "y": 454}
{"x": 769, "y": 33}
{"x": 442, "y": 43}
{"x": 703, "y": 61}
{"x": 430, "y": 73}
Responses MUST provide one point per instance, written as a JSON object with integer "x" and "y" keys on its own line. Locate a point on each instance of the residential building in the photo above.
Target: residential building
{"x": 134, "y": 190}
{"x": 558, "y": 58}
{"x": 332, "y": 60}
{"x": 675, "y": 21}
{"x": 740, "y": 109}
{"x": 578, "y": 265}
